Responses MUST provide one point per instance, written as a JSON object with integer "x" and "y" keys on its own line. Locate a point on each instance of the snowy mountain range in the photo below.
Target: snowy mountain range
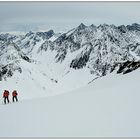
{"x": 50, "y": 62}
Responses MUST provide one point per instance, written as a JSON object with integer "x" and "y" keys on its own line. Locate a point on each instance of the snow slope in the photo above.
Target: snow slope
{"x": 38, "y": 80}
{"x": 108, "y": 107}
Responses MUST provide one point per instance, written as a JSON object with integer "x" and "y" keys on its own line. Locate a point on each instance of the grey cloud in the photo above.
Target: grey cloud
{"x": 33, "y": 15}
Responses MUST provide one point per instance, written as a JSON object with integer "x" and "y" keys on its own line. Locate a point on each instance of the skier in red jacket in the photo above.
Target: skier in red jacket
{"x": 6, "y": 96}
{"x": 14, "y": 94}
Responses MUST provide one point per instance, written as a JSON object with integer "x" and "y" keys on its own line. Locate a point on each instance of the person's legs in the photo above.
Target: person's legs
{"x": 8, "y": 99}
{"x": 5, "y": 100}
{"x": 16, "y": 98}
{"x": 13, "y": 99}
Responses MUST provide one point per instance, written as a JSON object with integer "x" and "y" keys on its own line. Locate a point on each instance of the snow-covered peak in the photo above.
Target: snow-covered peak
{"x": 46, "y": 35}
{"x": 92, "y": 26}
{"x": 134, "y": 27}
{"x": 81, "y": 26}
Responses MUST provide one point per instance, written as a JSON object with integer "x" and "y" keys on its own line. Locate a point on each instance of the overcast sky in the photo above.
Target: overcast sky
{"x": 38, "y": 16}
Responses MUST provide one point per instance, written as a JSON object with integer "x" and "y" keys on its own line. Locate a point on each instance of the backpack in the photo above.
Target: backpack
{"x": 6, "y": 93}
{"x": 14, "y": 93}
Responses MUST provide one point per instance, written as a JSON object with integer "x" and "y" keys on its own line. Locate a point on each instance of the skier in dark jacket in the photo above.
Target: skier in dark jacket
{"x": 14, "y": 94}
{"x": 6, "y": 96}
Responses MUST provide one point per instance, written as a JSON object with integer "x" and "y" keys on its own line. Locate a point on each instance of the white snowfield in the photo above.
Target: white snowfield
{"x": 108, "y": 107}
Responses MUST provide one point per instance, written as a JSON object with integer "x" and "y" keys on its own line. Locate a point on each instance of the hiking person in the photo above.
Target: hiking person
{"x": 6, "y": 96}
{"x": 14, "y": 94}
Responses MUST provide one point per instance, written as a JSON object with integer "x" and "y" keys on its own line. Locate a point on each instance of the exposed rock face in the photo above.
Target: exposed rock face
{"x": 102, "y": 49}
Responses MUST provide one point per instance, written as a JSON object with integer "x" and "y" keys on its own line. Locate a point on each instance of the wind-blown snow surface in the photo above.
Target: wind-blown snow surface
{"x": 108, "y": 107}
